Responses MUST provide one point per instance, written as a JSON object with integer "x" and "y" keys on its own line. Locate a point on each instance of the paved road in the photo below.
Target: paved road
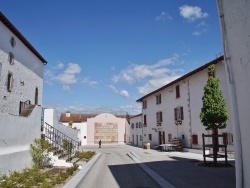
{"x": 115, "y": 169}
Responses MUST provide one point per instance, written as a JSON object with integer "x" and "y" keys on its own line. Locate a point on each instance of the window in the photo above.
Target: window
{"x": 9, "y": 82}
{"x": 145, "y": 120}
{"x": 137, "y": 125}
{"x": 177, "y": 89}
{"x": 144, "y": 104}
{"x": 132, "y": 125}
{"x": 11, "y": 58}
{"x": 195, "y": 139}
{"x": 178, "y": 114}
{"x": 230, "y": 138}
{"x": 140, "y": 125}
{"x": 36, "y": 96}
{"x": 158, "y": 118}
{"x": 12, "y": 42}
{"x": 169, "y": 137}
{"x": 158, "y": 99}
{"x": 140, "y": 137}
{"x": 149, "y": 136}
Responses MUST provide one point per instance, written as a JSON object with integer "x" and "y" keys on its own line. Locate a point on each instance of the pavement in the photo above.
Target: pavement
{"x": 171, "y": 169}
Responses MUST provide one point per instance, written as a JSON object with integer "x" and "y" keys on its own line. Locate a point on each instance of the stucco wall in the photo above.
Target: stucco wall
{"x": 27, "y": 72}
{"x": 50, "y": 117}
{"x": 191, "y": 93}
{"x": 235, "y": 29}
{"x": 105, "y": 118}
{"x": 16, "y": 134}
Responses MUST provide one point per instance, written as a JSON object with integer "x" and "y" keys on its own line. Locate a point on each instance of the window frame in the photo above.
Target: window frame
{"x": 158, "y": 99}
{"x": 177, "y": 91}
{"x": 145, "y": 120}
{"x": 149, "y": 136}
{"x": 11, "y": 58}
{"x": 178, "y": 113}
{"x": 159, "y": 117}
{"x": 144, "y": 104}
{"x": 10, "y": 82}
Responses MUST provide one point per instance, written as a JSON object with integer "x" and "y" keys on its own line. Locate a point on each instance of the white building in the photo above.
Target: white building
{"x": 21, "y": 85}
{"x": 173, "y": 110}
{"x": 94, "y": 127}
{"x": 235, "y": 29}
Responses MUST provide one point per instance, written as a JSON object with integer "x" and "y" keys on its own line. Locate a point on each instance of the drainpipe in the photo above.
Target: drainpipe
{"x": 234, "y": 107}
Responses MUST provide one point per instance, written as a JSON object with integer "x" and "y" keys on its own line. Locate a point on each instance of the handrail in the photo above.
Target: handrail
{"x": 60, "y": 141}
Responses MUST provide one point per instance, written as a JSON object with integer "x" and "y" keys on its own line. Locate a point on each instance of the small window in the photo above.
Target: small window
{"x": 145, "y": 120}
{"x": 177, "y": 89}
{"x": 137, "y": 125}
{"x": 150, "y": 136}
{"x": 195, "y": 139}
{"x": 11, "y": 58}
{"x": 9, "y": 82}
{"x": 132, "y": 125}
{"x": 178, "y": 114}
{"x": 84, "y": 137}
{"x": 169, "y": 137}
{"x": 144, "y": 104}
{"x": 158, "y": 117}
{"x": 12, "y": 42}
{"x": 140, "y": 137}
{"x": 158, "y": 99}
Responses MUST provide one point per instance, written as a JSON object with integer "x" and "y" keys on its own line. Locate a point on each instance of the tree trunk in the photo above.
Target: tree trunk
{"x": 215, "y": 145}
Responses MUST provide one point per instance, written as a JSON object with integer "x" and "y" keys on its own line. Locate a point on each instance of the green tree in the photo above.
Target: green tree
{"x": 39, "y": 152}
{"x": 214, "y": 111}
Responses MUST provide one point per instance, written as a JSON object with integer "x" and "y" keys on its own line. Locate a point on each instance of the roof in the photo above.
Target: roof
{"x": 133, "y": 116}
{"x": 14, "y": 30}
{"x": 183, "y": 77}
{"x": 77, "y": 118}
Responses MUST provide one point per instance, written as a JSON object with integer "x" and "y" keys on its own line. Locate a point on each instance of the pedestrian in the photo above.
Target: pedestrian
{"x": 100, "y": 144}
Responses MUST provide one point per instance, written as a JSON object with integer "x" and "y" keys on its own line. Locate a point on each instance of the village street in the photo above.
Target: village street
{"x": 115, "y": 168}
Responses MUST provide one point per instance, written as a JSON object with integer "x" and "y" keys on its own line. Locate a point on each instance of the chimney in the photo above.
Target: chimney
{"x": 68, "y": 114}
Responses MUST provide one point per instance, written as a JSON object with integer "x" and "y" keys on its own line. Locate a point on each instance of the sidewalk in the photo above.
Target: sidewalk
{"x": 180, "y": 169}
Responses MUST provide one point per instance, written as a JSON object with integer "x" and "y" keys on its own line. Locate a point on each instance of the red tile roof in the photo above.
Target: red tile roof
{"x": 14, "y": 30}
{"x": 77, "y": 118}
{"x": 182, "y": 78}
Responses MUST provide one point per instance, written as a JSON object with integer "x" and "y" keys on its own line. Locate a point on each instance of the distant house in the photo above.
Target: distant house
{"x": 173, "y": 110}
{"x": 94, "y": 127}
{"x": 21, "y": 85}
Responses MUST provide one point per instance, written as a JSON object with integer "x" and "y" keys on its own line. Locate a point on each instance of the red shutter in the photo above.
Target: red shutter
{"x": 182, "y": 115}
{"x": 195, "y": 139}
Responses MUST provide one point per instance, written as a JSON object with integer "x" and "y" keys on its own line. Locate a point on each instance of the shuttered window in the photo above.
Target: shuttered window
{"x": 178, "y": 114}
{"x": 177, "y": 89}
{"x": 195, "y": 139}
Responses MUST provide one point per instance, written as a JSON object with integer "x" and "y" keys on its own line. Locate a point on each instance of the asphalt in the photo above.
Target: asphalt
{"x": 172, "y": 169}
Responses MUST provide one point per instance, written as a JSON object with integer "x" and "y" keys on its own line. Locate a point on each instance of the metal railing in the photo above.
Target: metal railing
{"x": 62, "y": 144}
{"x": 23, "y": 105}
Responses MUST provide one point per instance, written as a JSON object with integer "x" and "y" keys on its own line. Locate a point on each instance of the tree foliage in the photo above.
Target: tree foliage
{"x": 214, "y": 112}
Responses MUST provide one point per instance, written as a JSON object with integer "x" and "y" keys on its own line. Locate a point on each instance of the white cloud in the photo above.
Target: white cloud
{"x": 163, "y": 17}
{"x": 113, "y": 88}
{"x": 196, "y": 33}
{"x": 134, "y": 73}
{"x": 69, "y": 75}
{"x": 89, "y": 82}
{"x": 66, "y": 88}
{"x": 124, "y": 93}
{"x": 192, "y": 13}
{"x": 156, "y": 83}
{"x": 59, "y": 66}
{"x": 201, "y": 24}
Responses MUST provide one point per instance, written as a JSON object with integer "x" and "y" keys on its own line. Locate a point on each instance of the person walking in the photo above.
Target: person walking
{"x": 100, "y": 144}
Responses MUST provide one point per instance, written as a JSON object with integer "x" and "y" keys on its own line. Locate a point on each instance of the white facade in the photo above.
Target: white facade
{"x": 160, "y": 114}
{"x": 21, "y": 79}
{"x": 235, "y": 29}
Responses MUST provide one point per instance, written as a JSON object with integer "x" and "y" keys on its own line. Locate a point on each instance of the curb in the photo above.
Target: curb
{"x": 78, "y": 178}
{"x": 161, "y": 181}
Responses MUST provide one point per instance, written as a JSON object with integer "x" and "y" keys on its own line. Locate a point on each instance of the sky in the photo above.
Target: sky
{"x": 104, "y": 55}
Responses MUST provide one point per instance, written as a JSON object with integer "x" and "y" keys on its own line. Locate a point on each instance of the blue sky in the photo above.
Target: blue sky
{"x": 104, "y": 55}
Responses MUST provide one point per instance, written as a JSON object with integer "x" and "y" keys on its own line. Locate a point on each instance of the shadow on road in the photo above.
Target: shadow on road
{"x": 180, "y": 172}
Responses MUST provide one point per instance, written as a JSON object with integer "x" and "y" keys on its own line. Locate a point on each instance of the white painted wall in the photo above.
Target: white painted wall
{"x": 16, "y": 135}
{"x": 27, "y": 68}
{"x": 235, "y": 28}
{"x": 133, "y": 133}
{"x": 191, "y": 93}
{"x": 50, "y": 117}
